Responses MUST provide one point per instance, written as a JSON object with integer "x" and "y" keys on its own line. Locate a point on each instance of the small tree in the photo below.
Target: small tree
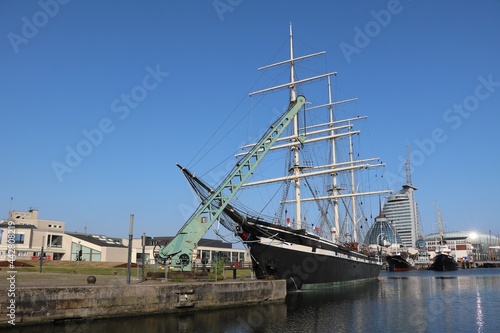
{"x": 217, "y": 271}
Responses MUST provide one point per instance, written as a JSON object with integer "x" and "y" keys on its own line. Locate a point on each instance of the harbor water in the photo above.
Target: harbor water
{"x": 466, "y": 300}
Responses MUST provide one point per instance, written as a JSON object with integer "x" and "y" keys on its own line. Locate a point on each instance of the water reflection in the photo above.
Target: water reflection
{"x": 238, "y": 319}
{"x": 416, "y": 301}
{"x": 479, "y": 311}
{"x": 340, "y": 309}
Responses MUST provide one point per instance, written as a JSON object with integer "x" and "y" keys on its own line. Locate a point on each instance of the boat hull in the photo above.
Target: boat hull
{"x": 397, "y": 264}
{"x": 443, "y": 262}
{"x": 304, "y": 260}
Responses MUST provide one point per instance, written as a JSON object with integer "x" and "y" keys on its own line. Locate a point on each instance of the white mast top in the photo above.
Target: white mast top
{"x": 293, "y": 82}
{"x": 293, "y": 94}
{"x": 332, "y": 130}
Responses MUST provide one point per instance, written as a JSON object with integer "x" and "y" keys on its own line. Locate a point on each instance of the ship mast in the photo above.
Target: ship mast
{"x": 335, "y": 189}
{"x": 440, "y": 225}
{"x": 332, "y": 131}
{"x": 295, "y": 148}
{"x": 354, "y": 217}
{"x": 291, "y": 85}
{"x": 292, "y": 77}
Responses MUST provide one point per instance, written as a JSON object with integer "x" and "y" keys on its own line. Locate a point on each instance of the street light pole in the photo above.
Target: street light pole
{"x": 143, "y": 253}
{"x": 41, "y": 254}
{"x": 130, "y": 234}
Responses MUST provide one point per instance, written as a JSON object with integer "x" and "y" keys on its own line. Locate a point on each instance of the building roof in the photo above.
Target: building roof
{"x": 99, "y": 240}
{"x": 102, "y": 240}
{"x": 382, "y": 230}
{"x": 18, "y": 226}
{"x": 203, "y": 242}
{"x": 475, "y": 237}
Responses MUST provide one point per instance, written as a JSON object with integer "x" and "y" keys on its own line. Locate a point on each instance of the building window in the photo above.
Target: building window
{"x": 54, "y": 241}
{"x": 84, "y": 253}
{"x": 19, "y": 238}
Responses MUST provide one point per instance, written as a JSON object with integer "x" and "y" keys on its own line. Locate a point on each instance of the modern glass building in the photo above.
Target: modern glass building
{"x": 382, "y": 233}
{"x": 401, "y": 211}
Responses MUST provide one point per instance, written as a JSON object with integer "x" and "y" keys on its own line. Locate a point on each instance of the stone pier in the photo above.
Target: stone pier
{"x": 33, "y": 305}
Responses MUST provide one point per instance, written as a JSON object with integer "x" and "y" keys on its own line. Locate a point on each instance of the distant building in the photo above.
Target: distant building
{"x": 31, "y": 233}
{"x": 401, "y": 211}
{"x": 91, "y": 247}
{"x": 213, "y": 250}
{"x": 383, "y": 238}
{"x": 479, "y": 246}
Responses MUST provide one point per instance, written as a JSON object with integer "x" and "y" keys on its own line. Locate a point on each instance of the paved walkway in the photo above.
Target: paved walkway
{"x": 35, "y": 279}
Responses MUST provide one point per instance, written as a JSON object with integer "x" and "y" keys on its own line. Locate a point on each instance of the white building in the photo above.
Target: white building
{"x": 31, "y": 233}
{"x": 477, "y": 245}
{"x": 92, "y": 247}
{"x": 211, "y": 249}
{"x": 401, "y": 211}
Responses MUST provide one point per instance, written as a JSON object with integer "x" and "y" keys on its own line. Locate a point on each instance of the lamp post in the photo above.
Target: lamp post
{"x": 41, "y": 254}
{"x": 130, "y": 233}
{"x": 143, "y": 253}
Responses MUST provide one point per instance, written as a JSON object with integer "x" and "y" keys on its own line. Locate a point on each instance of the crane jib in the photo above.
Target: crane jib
{"x": 179, "y": 251}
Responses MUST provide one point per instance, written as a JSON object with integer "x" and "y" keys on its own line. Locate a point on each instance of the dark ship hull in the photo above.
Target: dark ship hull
{"x": 305, "y": 260}
{"x": 443, "y": 262}
{"x": 397, "y": 263}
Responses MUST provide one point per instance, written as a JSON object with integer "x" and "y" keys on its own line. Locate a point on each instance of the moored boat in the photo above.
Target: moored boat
{"x": 444, "y": 262}
{"x": 397, "y": 263}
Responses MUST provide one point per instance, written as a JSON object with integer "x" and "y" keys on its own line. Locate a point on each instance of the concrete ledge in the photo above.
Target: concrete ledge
{"x": 50, "y": 304}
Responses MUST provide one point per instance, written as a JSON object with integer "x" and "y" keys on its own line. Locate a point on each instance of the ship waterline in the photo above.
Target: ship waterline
{"x": 310, "y": 267}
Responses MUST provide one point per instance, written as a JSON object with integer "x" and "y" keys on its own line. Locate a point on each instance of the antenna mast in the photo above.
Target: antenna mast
{"x": 408, "y": 167}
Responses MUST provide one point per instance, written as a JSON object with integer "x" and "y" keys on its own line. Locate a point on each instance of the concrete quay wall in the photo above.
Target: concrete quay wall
{"x": 35, "y": 305}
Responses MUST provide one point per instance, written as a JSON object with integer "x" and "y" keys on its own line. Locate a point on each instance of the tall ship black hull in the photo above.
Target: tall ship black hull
{"x": 444, "y": 262}
{"x": 397, "y": 263}
{"x": 305, "y": 181}
{"x": 305, "y": 260}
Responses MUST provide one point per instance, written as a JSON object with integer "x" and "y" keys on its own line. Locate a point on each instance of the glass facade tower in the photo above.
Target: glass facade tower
{"x": 401, "y": 211}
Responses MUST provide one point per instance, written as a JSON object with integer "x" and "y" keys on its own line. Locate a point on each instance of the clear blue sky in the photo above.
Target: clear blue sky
{"x": 426, "y": 73}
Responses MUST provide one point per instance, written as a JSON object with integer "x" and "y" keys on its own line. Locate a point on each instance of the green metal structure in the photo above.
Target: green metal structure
{"x": 179, "y": 251}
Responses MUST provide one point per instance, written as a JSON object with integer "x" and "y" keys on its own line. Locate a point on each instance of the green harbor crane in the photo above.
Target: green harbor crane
{"x": 179, "y": 251}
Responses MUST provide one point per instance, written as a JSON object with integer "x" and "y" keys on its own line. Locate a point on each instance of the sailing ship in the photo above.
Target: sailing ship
{"x": 313, "y": 238}
{"x": 443, "y": 261}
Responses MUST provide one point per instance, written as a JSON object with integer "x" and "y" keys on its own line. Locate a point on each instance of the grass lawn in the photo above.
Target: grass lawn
{"x": 57, "y": 272}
